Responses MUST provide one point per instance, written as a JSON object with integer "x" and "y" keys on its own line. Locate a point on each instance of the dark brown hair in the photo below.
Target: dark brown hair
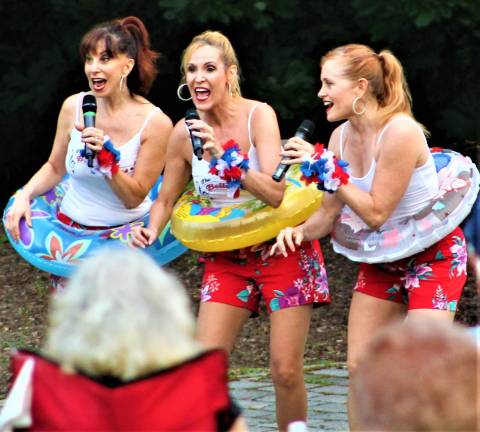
{"x": 130, "y": 37}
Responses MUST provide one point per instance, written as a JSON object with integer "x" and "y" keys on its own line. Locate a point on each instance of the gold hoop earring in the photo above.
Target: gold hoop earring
{"x": 122, "y": 82}
{"x": 354, "y": 106}
{"x": 179, "y": 93}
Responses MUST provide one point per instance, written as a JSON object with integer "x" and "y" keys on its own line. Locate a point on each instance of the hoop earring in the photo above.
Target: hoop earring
{"x": 354, "y": 106}
{"x": 179, "y": 93}
{"x": 122, "y": 82}
{"x": 229, "y": 86}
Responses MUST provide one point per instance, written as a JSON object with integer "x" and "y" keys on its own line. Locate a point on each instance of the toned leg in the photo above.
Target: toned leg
{"x": 219, "y": 324}
{"x": 288, "y": 335}
{"x": 430, "y": 313}
{"x": 366, "y": 317}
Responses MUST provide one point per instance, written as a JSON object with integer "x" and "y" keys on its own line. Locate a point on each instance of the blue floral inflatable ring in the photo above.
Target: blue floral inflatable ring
{"x": 57, "y": 248}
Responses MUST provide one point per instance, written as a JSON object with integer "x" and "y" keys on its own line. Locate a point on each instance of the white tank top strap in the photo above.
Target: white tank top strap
{"x": 249, "y": 125}
{"x": 342, "y": 129}
{"x": 78, "y": 115}
{"x": 149, "y": 116}
{"x": 399, "y": 118}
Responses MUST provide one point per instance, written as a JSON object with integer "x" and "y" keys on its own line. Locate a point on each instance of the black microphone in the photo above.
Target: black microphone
{"x": 197, "y": 142}
{"x": 304, "y": 131}
{"x": 89, "y": 108}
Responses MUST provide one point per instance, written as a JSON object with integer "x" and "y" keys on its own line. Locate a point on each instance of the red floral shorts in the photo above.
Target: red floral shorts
{"x": 432, "y": 279}
{"x": 240, "y": 277}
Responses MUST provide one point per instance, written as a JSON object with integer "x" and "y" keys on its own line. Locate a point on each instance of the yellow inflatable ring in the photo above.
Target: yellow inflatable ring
{"x": 201, "y": 227}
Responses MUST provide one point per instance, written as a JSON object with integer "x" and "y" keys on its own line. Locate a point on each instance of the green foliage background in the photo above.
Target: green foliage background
{"x": 278, "y": 42}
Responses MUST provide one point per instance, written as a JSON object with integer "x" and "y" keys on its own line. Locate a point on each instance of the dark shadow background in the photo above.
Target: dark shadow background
{"x": 279, "y": 44}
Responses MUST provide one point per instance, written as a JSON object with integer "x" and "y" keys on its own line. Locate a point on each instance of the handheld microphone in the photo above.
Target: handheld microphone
{"x": 304, "y": 132}
{"x": 89, "y": 108}
{"x": 197, "y": 142}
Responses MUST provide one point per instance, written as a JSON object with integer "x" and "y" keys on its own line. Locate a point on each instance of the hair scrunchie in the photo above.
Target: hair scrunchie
{"x": 107, "y": 159}
{"x": 231, "y": 167}
{"x": 324, "y": 169}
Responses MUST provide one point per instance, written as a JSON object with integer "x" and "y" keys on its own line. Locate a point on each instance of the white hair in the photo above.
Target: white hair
{"x": 121, "y": 315}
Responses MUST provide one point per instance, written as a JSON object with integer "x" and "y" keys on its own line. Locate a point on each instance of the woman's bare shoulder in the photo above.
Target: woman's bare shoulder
{"x": 71, "y": 103}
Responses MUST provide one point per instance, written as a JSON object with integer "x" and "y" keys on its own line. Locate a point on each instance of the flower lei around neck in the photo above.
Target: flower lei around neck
{"x": 324, "y": 169}
{"x": 231, "y": 167}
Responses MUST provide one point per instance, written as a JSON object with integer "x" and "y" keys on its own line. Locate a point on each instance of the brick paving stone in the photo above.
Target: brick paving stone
{"x": 337, "y": 389}
{"x": 327, "y": 404}
{"x": 316, "y": 398}
{"x": 341, "y": 382}
{"x": 342, "y": 373}
{"x": 268, "y": 398}
{"x": 328, "y": 407}
{"x": 246, "y": 384}
{"x": 330, "y": 416}
{"x": 251, "y": 394}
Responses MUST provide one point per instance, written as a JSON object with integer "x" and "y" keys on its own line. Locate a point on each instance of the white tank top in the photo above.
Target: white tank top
{"x": 423, "y": 185}
{"x": 89, "y": 199}
{"x": 214, "y": 187}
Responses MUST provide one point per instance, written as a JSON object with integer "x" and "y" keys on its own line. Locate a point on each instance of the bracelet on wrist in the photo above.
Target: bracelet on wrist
{"x": 324, "y": 169}
{"x": 231, "y": 167}
{"x": 107, "y": 159}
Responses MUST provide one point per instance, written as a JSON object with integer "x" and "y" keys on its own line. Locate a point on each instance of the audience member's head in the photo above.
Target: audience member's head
{"x": 121, "y": 315}
{"x": 418, "y": 376}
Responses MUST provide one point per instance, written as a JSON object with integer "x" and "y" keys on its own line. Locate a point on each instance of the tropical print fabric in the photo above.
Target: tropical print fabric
{"x": 243, "y": 277}
{"x": 432, "y": 279}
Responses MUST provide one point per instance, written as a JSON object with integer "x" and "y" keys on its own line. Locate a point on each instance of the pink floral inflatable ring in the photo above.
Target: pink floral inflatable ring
{"x": 459, "y": 184}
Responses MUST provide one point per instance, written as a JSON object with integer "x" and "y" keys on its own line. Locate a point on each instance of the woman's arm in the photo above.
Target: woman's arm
{"x": 177, "y": 173}
{"x": 316, "y": 226}
{"x": 266, "y": 137}
{"x": 321, "y": 222}
{"x": 49, "y": 174}
{"x": 402, "y": 148}
{"x": 132, "y": 190}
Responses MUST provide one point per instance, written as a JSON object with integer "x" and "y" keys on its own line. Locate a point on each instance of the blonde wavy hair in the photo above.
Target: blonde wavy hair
{"x": 121, "y": 315}
{"x": 385, "y": 76}
{"x": 217, "y": 40}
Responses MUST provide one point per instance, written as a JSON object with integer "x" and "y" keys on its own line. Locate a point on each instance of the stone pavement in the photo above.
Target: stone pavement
{"x": 327, "y": 388}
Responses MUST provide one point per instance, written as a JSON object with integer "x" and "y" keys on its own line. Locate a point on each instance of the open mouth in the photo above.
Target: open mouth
{"x": 98, "y": 84}
{"x": 327, "y": 105}
{"x": 201, "y": 93}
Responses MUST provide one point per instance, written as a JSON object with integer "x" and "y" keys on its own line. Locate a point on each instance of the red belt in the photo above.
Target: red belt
{"x": 62, "y": 217}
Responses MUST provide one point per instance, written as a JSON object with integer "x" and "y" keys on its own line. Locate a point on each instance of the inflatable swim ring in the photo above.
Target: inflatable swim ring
{"x": 459, "y": 183}
{"x": 57, "y": 248}
{"x": 201, "y": 227}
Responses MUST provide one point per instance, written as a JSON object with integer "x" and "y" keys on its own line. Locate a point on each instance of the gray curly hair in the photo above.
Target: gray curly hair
{"x": 121, "y": 315}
